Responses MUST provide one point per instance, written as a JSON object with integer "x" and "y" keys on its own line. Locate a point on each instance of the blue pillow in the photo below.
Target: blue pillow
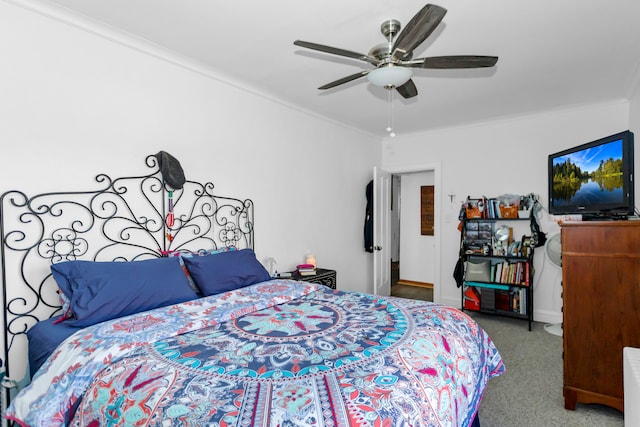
{"x": 100, "y": 291}
{"x": 203, "y": 252}
{"x": 226, "y": 271}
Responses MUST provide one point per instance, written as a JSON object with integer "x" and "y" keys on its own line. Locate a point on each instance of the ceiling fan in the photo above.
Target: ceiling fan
{"x": 393, "y": 60}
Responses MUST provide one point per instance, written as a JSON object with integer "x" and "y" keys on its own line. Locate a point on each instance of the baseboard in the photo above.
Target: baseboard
{"x": 546, "y": 316}
{"x": 414, "y": 283}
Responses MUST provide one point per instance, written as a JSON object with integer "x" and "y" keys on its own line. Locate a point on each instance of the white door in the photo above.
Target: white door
{"x": 381, "y": 232}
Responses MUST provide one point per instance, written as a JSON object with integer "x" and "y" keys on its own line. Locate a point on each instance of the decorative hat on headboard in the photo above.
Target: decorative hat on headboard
{"x": 171, "y": 170}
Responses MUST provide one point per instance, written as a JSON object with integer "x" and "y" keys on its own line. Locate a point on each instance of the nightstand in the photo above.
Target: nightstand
{"x": 323, "y": 276}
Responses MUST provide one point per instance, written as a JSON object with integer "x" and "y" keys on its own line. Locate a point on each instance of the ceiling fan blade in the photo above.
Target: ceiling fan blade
{"x": 459, "y": 61}
{"x": 336, "y": 51}
{"x": 408, "y": 90}
{"x": 417, "y": 30}
{"x": 344, "y": 80}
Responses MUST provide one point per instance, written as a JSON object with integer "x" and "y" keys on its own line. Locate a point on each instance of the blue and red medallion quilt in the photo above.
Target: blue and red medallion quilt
{"x": 278, "y": 353}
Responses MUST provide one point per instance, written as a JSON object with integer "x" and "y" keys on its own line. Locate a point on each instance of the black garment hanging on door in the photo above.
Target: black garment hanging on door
{"x": 368, "y": 219}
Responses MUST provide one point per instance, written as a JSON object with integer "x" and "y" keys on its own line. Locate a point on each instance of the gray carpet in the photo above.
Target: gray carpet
{"x": 529, "y": 393}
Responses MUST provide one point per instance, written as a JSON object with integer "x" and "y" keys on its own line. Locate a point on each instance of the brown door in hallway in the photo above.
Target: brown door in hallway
{"x": 426, "y": 210}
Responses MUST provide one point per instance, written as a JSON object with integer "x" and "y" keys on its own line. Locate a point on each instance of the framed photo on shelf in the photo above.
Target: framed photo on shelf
{"x": 472, "y": 232}
{"x": 485, "y": 230}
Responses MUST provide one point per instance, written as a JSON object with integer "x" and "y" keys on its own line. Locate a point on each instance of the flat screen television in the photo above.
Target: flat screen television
{"x": 594, "y": 179}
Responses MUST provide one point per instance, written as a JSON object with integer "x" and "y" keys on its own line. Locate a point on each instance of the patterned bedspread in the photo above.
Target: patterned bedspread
{"x": 279, "y": 353}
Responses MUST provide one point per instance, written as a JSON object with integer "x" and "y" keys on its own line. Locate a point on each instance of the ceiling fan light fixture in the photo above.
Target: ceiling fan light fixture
{"x": 389, "y": 76}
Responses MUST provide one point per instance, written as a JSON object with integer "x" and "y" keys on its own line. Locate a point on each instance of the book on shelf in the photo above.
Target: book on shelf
{"x": 515, "y": 302}
{"x": 306, "y": 269}
{"x": 513, "y": 272}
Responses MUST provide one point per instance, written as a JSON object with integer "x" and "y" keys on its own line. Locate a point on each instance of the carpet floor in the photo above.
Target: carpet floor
{"x": 529, "y": 393}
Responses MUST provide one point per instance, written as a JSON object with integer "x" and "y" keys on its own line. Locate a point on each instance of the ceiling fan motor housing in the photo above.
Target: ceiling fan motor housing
{"x": 390, "y": 28}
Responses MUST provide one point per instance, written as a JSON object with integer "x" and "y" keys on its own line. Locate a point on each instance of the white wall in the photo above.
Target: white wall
{"x": 634, "y": 116}
{"x": 494, "y": 158}
{"x": 416, "y": 251}
{"x": 75, "y": 103}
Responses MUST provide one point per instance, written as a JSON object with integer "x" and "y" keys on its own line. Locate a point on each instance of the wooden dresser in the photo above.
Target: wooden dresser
{"x": 601, "y": 306}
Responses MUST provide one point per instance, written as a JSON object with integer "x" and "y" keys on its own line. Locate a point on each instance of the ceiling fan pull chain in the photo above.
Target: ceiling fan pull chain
{"x": 390, "y": 118}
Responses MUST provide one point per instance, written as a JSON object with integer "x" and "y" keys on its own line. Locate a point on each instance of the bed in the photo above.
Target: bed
{"x": 137, "y": 304}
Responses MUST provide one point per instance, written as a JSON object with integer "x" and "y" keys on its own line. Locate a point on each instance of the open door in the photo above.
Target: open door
{"x": 381, "y": 232}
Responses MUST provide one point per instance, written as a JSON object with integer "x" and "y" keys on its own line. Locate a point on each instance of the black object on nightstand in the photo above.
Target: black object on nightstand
{"x": 323, "y": 276}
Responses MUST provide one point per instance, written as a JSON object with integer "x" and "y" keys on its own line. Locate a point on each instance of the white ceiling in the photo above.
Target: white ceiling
{"x": 552, "y": 54}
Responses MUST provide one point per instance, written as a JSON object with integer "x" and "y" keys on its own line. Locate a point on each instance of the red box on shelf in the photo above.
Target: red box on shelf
{"x": 471, "y": 299}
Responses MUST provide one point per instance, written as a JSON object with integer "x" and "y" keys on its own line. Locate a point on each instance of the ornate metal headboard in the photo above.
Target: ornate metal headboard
{"x": 127, "y": 218}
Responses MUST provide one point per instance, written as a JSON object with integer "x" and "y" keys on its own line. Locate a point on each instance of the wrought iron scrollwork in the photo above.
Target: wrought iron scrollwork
{"x": 123, "y": 220}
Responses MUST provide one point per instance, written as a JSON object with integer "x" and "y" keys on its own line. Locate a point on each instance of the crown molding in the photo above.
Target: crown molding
{"x": 146, "y": 47}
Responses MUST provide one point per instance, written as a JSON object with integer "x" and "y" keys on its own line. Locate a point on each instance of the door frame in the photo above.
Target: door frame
{"x": 381, "y": 232}
{"x": 436, "y": 168}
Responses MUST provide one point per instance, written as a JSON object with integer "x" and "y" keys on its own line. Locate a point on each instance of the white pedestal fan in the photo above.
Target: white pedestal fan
{"x": 553, "y": 253}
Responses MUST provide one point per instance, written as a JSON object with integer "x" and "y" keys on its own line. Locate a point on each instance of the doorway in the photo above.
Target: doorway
{"x": 412, "y": 249}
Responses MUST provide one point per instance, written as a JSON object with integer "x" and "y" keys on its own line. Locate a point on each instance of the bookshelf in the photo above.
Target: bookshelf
{"x": 498, "y": 274}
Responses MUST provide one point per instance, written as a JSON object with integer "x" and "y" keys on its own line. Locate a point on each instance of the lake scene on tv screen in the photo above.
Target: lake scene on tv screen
{"x": 590, "y": 176}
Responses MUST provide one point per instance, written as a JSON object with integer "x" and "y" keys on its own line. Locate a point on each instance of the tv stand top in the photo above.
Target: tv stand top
{"x": 604, "y": 217}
